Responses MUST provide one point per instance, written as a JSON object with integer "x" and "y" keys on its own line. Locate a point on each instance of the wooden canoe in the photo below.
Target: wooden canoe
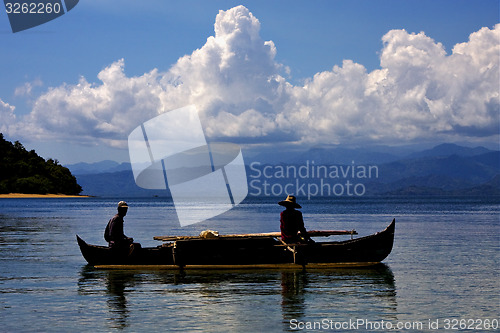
{"x": 245, "y": 251}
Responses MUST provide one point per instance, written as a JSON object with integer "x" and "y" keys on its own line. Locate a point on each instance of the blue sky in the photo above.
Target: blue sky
{"x": 52, "y": 96}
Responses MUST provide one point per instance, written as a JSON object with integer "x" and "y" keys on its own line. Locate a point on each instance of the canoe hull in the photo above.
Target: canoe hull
{"x": 103, "y": 255}
{"x": 249, "y": 253}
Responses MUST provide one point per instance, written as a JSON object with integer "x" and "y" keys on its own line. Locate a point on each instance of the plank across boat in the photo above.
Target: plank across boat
{"x": 311, "y": 233}
{"x": 244, "y": 251}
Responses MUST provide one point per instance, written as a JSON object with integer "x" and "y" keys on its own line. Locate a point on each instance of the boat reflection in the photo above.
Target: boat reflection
{"x": 116, "y": 286}
{"x": 302, "y": 295}
{"x": 360, "y": 290}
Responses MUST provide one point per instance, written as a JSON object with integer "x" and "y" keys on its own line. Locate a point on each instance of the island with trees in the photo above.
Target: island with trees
{"x": 23, "y": 171}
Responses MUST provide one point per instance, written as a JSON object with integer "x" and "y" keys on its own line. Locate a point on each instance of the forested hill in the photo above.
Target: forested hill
{"x": 23, "y": 171}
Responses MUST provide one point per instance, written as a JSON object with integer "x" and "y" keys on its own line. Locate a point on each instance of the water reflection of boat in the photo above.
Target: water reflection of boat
{"x": 325, "y": 292}
{"x": 129, "y": 293}
{"x": 248, "y": 252}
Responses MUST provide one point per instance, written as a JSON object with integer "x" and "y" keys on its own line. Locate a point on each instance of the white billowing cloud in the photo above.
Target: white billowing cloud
{"x": 419, "y": 92}
{"x": 331, "y": 106}
{"x": 234, "y": 75}
{"x": 228, "y": 79}
{"x": 7, "y": 116}
{"x": 456, "y": 94}
{"x": 250, "y": 123}
{"x": 234, "y": 80}
{"x": 93, "y": 113}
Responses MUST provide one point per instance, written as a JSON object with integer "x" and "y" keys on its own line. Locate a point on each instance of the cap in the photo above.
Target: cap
{"x": 122, "y": 204}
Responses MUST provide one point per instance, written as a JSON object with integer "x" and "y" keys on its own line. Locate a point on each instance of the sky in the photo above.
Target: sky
{"x": 263, "y": 74}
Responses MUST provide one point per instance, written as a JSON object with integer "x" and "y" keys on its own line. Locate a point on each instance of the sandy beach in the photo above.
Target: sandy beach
{"x": 24, "y": 195}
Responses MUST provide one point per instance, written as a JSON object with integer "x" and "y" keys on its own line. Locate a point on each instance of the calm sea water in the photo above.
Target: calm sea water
{"x": 444, "y": 271}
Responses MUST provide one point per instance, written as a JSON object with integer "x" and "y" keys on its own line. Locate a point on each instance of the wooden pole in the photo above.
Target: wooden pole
{"x": 310, "y": 233}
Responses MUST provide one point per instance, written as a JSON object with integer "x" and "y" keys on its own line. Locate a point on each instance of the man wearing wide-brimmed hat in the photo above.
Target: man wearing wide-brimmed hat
{"x": 291, "y": 222}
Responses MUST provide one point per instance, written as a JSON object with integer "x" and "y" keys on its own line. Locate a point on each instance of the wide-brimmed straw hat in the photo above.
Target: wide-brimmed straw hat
{"x": 290, "y": 201}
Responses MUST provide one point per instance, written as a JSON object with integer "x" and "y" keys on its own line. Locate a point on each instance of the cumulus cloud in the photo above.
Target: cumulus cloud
{"x": 7, "y": 116}
{"x": 95, "y": 113}
{"x": 241, "y": 92}
{"x": 419, "y": 92}
{"x": 233, "y": 79}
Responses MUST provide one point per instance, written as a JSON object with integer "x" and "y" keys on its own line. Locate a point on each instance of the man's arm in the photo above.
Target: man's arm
{"x": 302, "y": 228}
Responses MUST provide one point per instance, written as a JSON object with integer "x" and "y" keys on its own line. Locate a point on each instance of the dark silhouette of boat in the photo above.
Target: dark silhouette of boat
{"x": 252, "y": 251}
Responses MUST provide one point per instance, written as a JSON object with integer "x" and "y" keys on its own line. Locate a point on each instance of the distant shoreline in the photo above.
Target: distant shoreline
{"x": 30, "y": 196}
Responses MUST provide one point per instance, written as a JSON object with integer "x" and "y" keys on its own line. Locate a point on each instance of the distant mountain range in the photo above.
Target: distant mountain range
{"x": 446, "y": 169}
{"x": 98, "y": 167}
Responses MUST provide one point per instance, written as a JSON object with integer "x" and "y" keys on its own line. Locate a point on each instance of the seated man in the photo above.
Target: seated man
{"x": 292, "y": 223}
{"x": 114, "y": 230}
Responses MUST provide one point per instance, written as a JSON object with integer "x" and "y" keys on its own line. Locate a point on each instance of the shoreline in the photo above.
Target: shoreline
{"x": 31, "y": 196}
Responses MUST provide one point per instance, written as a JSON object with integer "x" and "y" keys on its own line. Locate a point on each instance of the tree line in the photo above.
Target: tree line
{"x": 23, "y": 171}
